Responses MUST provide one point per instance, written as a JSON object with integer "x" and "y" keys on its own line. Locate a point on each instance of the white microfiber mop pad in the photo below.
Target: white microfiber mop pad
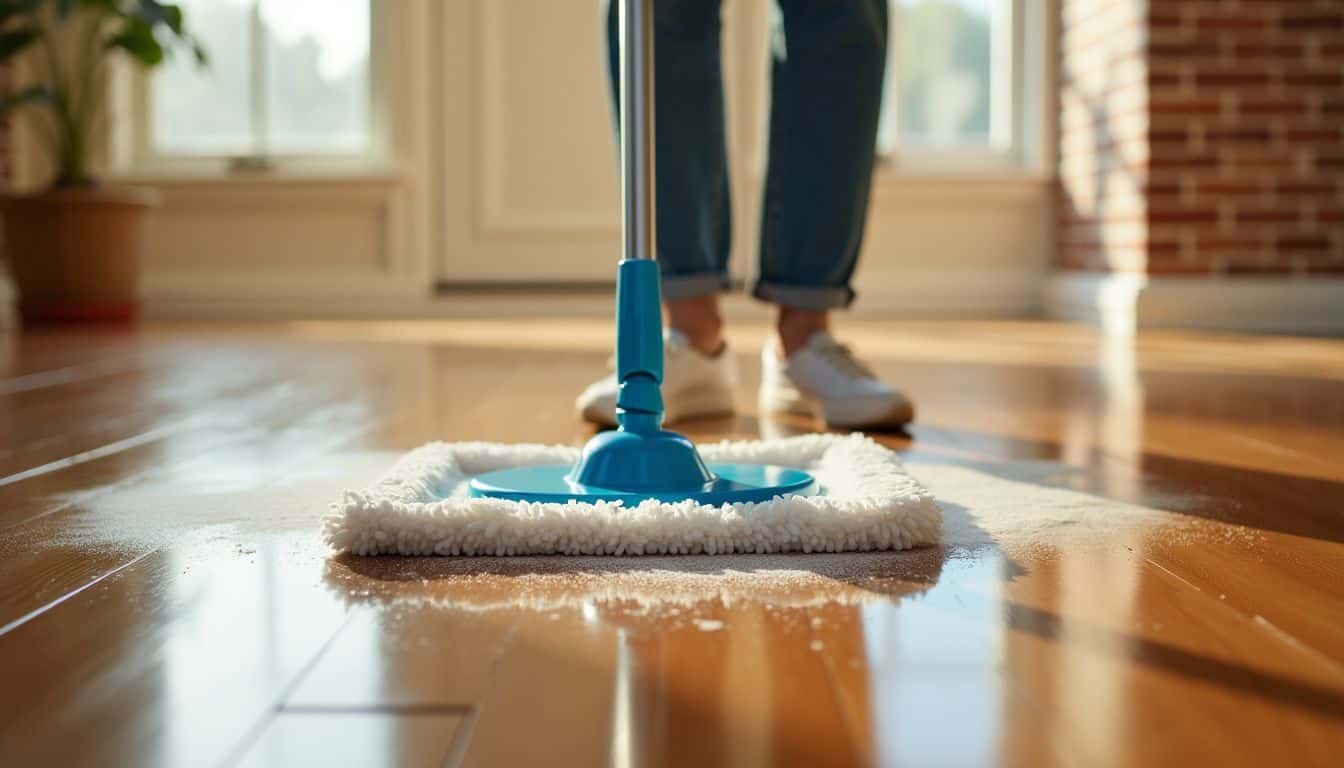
{"x": 868, "y": 502}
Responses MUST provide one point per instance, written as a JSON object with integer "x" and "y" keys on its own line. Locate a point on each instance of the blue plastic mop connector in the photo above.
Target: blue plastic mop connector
{"x": 639, "y": 347}
{"x": 641, "y": 460}
{"x": 640, "y": 456}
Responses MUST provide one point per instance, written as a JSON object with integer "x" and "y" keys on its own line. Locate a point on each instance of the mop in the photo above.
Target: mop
{"x": 639, "y": 490}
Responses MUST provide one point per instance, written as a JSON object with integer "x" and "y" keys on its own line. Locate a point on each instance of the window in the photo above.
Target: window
{"x": 287, "y": 79}
{"x": 952, "y": 83}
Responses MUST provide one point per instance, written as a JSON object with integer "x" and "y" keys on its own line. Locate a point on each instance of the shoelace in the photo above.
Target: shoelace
{"x": 843, "y": 358}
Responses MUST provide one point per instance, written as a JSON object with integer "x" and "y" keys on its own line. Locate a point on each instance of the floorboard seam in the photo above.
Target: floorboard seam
{"x": 457, "y": 751}
{"x": 27, "y": 617}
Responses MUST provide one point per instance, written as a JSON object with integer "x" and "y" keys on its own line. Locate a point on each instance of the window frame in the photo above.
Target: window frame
{"x": 145, "y": 158}
{"x": 1009, "y": 112}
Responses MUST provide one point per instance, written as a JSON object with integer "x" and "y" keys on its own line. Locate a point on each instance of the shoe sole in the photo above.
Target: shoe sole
{"x": 700, "y": 403}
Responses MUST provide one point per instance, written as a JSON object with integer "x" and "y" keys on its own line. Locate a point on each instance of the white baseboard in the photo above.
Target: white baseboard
{"x": 1269, "y": 304}
{"x": 962, "y": 293}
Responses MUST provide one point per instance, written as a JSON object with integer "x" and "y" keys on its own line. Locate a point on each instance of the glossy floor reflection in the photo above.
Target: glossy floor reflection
{"x": 1142, "y": 562}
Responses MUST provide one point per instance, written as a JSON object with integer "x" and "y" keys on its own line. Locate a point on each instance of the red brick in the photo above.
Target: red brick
{"x": 1230, "y": 245}
{"x": 1252, "y": 19}
{"x": 1241, "y": 158}
{"x": 1237, "y": 134}
{"x": 1170, "y": 135}
{"x": 1303, "y": 244}
{"x": 1221, "y": 189}
{"x": 1306, "y": 188}
{"x": 1256, "y": 49}
{"x": 1313, "y": 79}
{"x": 1183, "y": 160}
{"x": 1333, "y": 161}
{"x": 1332, "y": 135}
{"x": 1286, "y": 215}
{"x": 1164, "y": 20}
{"x": 1185, "y": 106}
{"x": 1191, "y": 216}
{"x": 1294, "y": 20}
{"x": 1272, "y": 105}
{"x": 1207, "y": 79}
{"x": 1182, "y": 50}
{"x": 1164, "y": 79}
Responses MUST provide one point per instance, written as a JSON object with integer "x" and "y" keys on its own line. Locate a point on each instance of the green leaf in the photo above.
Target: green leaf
{"x": 16, "y": 40}
{"x": 137, "y": 39}
{"x": 155, "y": 13}
{"x": 32, "y": 95}
{"x": 198, "y": 50}
{"x": 174, "y": 18}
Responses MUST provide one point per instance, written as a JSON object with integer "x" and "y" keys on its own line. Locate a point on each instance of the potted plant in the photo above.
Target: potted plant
{"x": 74, "y": 248}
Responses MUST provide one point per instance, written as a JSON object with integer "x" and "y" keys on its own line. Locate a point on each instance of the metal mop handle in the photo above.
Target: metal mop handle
{"x": 639, "y": 331}
{"x": 637, "y": 127}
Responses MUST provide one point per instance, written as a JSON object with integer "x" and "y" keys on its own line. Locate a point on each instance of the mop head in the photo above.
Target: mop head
{"x": 421, "y": 507}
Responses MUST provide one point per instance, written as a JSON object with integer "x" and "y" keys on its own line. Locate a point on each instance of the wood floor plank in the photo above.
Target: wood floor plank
{"x": 64, "y": 356}
{"x": 219, "y": 421}
{"x": 710, "y": 691}
{"x": 239, "y": 618}
{"x": 371, "y": 739}
{"x": 551, "y": 698}
{"x": 30, "y": 577}
{"x": 171, "y": 662}
{"x": 1143, "y": 643}
{"x": 407, "y": 654}
{"x": 120, "y": 413}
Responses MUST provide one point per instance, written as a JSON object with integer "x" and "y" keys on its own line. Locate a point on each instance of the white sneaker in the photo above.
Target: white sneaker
{"x": 694, "y": 385}
{"x": 824, "y": 379}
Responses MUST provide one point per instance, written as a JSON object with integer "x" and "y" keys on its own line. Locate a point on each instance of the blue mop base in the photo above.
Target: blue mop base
{"x": 732, "y": 484}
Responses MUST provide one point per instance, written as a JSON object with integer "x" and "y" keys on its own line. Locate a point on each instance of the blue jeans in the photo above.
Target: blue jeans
{"x": 826, "y": 93}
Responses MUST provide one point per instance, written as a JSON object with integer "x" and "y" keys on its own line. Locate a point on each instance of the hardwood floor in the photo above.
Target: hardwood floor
{"x": 1144, "y": 562}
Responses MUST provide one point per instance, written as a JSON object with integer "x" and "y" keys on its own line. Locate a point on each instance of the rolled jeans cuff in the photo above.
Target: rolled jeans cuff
{"x": 695, "y": 285}
{"x": 815, "y": 297}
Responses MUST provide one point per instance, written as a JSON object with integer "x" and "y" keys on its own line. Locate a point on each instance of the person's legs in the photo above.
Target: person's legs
{"x": 691, "y": 195}
{"x": 690, "y": 166}
{"x": 826, "y": 96}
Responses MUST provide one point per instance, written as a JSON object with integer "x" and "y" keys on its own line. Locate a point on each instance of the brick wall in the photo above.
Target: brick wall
{"x": 1228, "y": 115}
{"x": 1103, "y": 135}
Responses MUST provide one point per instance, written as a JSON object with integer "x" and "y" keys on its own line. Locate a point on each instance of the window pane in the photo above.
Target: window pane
{"x": 317, "y": 75}
{"x": 207, "y": 111}
{"x": 943, "y": 54}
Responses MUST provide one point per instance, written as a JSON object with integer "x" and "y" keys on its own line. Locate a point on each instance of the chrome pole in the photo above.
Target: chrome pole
{"x": 637, "y": 128}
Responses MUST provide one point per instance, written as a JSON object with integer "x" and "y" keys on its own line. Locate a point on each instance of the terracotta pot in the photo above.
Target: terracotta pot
{"x": 75, "y": 252}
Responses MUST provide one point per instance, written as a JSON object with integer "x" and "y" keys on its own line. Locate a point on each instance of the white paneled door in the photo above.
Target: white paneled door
{"x": 530, "y": 167}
